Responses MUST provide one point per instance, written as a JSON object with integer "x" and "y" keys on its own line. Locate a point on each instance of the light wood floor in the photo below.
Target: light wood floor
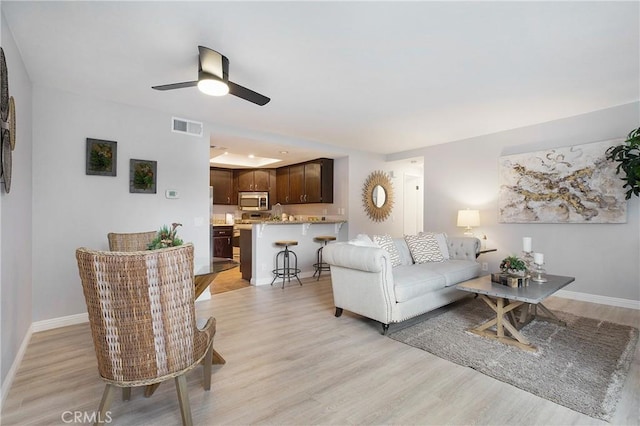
{"x": 227, "y": 281}
{"x": 291, "y": 362}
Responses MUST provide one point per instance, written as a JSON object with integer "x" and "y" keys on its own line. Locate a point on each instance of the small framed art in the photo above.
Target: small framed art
{"x": 102, "y": 157}
{"x": 142, "y": 176}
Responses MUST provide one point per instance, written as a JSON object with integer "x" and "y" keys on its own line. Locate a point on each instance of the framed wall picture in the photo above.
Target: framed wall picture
{"x": 574, "y": 184}
{"x": 142, "y": 176}
{"x": 102, "y": 157}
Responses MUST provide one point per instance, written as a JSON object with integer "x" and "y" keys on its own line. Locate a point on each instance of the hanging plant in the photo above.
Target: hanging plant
{"x": 628, "y": 156}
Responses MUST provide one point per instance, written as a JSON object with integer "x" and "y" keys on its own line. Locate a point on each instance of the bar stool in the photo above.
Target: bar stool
{"x": 320, "y": 265}
{"x": 286, "y": 271}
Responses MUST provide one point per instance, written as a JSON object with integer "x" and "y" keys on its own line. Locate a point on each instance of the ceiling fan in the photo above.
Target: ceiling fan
{"x": 213, "y": 78}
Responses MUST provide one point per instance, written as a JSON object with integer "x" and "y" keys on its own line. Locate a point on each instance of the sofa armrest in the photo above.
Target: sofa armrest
{"x": 463, "y": 248}
{"x": 368, "y": 259}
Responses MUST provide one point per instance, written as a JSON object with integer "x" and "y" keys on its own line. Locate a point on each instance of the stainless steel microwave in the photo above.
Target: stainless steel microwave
{"x": 253, "y": 201}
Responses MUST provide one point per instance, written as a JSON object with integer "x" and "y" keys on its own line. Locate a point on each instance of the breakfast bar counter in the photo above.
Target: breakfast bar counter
{"x": 258, "y": 251}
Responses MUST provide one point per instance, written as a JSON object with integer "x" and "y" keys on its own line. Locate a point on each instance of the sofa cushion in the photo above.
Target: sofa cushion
{"x": 362, "y": 240}
{"x": 455, "y": 271}
{"x": 411, "y": 281}
{"x": 441, "y": 238}
{"x": 403, "y": 250}
{"x": 424, "y": 248}
{"x": 386, "y": 242}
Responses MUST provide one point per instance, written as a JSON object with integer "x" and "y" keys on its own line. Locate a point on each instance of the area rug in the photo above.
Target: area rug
{"x": 582, "y": 366}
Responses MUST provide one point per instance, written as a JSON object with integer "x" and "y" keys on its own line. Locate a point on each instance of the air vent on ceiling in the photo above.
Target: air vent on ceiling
{"x": 189, "y": 127}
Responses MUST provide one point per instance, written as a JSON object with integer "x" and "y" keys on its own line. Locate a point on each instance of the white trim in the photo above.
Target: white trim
{"x": 603, "y": 300}
{"x": 60, "y": 322}
{"x": 11, "y": 374}
{"x": 206, "y": 295}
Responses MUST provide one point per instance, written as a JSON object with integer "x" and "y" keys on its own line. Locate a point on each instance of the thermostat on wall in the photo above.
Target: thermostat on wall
{"x": 171, "y": 193}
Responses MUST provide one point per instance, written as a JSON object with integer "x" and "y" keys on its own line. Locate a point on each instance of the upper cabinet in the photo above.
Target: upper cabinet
{"x": 254, "y": 180}
{"x": 223, "y": 189}
{"x": 310, "y": 182}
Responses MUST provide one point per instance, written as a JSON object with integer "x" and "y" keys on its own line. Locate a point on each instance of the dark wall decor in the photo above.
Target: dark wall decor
{"x": 101, "y": 157}
{"x": 142, "y": 176}
{"x": 8, "y": 128}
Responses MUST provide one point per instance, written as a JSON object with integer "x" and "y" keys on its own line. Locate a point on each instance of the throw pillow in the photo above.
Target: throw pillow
{"x": 386, "y": 242}
{"x": 363, "y": 240}
{"x": 441, "y": 238}
{"x": 424, "y": 249}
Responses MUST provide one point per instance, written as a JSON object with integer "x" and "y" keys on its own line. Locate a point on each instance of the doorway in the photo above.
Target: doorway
{"x": 412, "y": 204}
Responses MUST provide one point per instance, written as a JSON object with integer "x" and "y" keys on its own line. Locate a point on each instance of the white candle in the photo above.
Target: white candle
{"x": 526, "y": 244}
{"x": 538, "y": 258}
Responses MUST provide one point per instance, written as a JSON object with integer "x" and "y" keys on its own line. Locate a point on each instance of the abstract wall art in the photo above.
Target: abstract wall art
{"x": 575, "y": 184}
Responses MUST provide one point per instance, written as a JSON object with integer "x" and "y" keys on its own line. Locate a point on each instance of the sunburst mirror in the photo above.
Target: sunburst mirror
{"x": 377, "y": 196}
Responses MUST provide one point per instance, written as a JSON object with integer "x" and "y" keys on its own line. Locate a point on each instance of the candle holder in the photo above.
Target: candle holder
{"x": 527, "y": 257}
{"x": 538, "y": 273}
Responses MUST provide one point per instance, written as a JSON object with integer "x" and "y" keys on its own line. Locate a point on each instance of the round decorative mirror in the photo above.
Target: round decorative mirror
{"x": 377, "y": 196}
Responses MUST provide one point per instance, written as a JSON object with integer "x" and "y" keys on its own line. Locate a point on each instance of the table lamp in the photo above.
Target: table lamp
{"x": 468, "y": 218}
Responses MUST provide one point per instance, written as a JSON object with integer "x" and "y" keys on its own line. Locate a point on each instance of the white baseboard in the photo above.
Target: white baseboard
{"x": 60, "y": 322}
{"x": 11, "y": 374}
{"x": 603, "y": 300}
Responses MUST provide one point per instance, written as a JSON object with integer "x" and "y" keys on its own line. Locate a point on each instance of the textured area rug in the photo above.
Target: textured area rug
{"x": 582, "y": 366}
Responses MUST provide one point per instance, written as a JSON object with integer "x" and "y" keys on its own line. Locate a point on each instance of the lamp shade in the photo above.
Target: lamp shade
{"x": 468, "y": 218}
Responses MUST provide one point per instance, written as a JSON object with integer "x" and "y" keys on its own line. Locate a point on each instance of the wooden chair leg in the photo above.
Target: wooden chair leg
{"x": 206, "y": 368}
{"x": 183, "y": 398}
{"x": 105, "y": 403}
{"x": 150, "y": 389}
{"x": 126, "y": 394}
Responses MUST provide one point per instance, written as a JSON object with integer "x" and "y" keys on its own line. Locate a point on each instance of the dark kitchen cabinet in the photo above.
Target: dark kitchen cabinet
{"x": 253, "y": 180}
{"x": 282, "y": 185}
{"x": 310, "y": 182}
{"x": 223, "y": 188}
{"x": 223, "y": 241}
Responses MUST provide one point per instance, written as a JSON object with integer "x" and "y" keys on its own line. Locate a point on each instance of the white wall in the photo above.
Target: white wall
{"x": 15, "y": 219}
{"x": 72, "y": 209}
{"x": 604, "y": 258}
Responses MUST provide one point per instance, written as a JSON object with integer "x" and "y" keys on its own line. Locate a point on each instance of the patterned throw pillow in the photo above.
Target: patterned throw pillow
{"x": 386, "y": 242}
{"x": 441, "y": 238}
{"x": 424, "y": 248}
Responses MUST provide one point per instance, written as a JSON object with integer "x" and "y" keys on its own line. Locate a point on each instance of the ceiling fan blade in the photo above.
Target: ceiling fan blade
{"x": 213, "y": 62}
{"x": 247, "y": 94}
{"x": 176, "y": 85}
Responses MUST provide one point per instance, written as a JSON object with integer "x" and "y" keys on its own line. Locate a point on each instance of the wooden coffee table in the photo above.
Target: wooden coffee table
{"x": 505, "y": 300}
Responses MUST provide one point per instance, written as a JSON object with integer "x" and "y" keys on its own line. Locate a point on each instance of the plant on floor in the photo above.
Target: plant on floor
{"x": 513, "y": 265}
{"x": 166, "y": 237}
{"x": 628, "y": 156}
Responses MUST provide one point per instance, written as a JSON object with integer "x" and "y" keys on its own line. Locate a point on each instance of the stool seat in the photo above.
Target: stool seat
{"x": 325, "y": 238}
{"x": 284, "y": 243}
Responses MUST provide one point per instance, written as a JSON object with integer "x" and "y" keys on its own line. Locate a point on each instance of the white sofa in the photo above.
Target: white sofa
{"x": 364, "y": 281}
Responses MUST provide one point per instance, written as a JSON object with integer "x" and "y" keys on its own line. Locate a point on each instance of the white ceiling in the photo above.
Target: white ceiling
{"x": 383, "y": 77}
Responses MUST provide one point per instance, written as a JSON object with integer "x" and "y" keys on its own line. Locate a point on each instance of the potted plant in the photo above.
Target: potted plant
{"x": 627, "y": 155}
{"x": 513, "y": 265}
{"x": 166, "y": 237}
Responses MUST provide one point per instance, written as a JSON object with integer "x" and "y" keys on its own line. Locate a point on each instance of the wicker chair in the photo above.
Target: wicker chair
{"x": 134, "y": 241}
{"x": 142, "y": 315}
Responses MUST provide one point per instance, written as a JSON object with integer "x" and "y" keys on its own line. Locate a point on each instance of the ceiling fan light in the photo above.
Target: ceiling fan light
{"x": 213, "y": 87}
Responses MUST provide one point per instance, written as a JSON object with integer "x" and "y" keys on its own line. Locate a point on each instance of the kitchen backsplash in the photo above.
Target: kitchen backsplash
{"x": 300, "y": 211}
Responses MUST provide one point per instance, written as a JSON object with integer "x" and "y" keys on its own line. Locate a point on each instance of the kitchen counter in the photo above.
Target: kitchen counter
{"x": 257, "y": 240}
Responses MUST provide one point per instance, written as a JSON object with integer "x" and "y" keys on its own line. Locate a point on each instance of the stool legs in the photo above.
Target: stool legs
{"x": 320, "y": 265}
{"x": 286, "y": 272}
